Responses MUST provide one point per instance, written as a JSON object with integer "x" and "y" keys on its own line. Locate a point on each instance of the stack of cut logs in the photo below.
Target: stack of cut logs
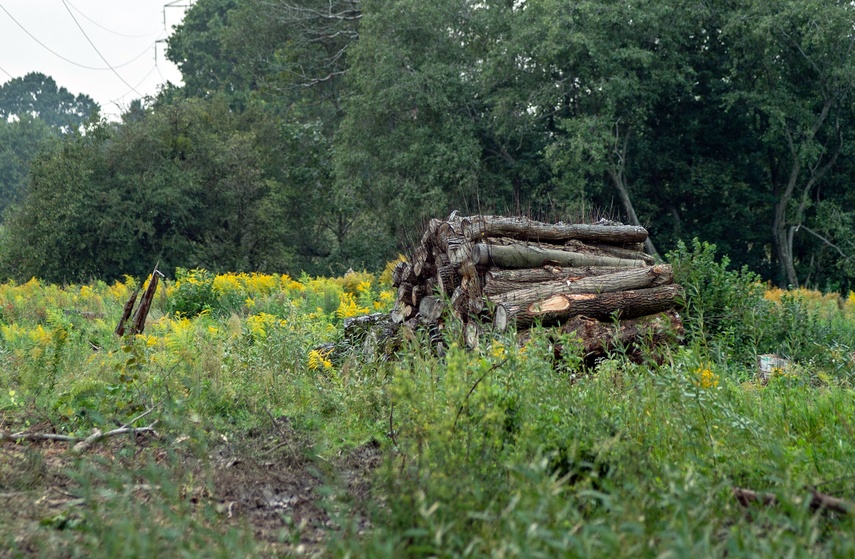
{"x": 514, "y": 272}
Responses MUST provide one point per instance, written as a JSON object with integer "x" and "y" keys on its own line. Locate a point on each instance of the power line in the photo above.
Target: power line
{"x": 44, "y": 46}
{"x": 7, "y": 73}
{"x": 119, "y": 98}
{"x": 96, "y": 24}
{"x": 96, "y": 49}
{"x": 72, "y": 62}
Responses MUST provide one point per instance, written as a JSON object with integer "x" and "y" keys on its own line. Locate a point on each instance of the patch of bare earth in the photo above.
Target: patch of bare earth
{"x": 267, "y": 481}
{"x": 290, "y": 501}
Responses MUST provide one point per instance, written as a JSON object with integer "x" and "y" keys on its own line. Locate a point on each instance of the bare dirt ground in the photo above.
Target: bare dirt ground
{"x": 266, "y": 481}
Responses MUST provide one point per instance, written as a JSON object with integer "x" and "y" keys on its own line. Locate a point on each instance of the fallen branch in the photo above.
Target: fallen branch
{"x": 97, "y": 435}
{"x": 25, "y": 436}
{"x": 82, "y": 443}
{"x": 818, "y": 501}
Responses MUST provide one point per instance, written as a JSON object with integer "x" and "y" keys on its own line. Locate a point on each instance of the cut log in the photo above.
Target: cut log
{"x": 447, "y": 279}
{"x": 397, "y": 313}
{"x": 610, "y": 250}
{"x": 416, "y": 295}
{"x": 398, "y": 274}
{"x": 632, "y": 278}
{"x": 472, "y": 334}
{"x": 482, "y": 227}
{"x": 532, "y": 256}
{"x": 447, "y": 230}
{"x": 500, "y": 281}
{"x": 547, "y": 273}
{"x": 638, "y": 338}
{"x": 603, "y": 306}
{"x": 430, "y": 309}
{"x": 422, "y": 267}
{"x": 430, "y": 233}
{"x": 405, "y": 293}
{"x": 632, "y": 251}
{"x": 458, "y": 251}
{"x": 372, "y": 334}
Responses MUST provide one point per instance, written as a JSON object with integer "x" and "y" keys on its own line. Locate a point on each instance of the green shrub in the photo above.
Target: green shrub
{"x": 193, "y": 292}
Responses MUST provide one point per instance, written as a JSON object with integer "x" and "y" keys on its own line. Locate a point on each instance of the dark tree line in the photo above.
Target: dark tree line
{"x": 316, "y": 135}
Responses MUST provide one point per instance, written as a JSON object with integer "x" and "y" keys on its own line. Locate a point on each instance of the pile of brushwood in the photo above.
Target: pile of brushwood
{"x": 592, "y": 281}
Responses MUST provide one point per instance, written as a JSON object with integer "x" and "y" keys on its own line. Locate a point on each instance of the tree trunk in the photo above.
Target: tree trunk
{"x": 623, "y": 194}
{"x": 528, "y": 230}
{"x": 531, "y": 256}
{"x": 633, "y": 278}
{"x": 557, "y": 308}
{"x": 500, "y": 281}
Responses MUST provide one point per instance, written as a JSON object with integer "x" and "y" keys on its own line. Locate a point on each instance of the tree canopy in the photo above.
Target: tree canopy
{"x": 316, "y": 135}
{"x": 36, "y": 95}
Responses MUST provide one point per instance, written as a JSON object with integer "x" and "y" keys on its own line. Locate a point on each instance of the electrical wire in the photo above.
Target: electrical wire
{"x": 7, "y": 73}
{"x": 96, "y": 24}
{"x": 72, "y": 62}
{"x": 133, "y": 90}
{"x": 47, "y": 48}
{"x": 98, "y": 51}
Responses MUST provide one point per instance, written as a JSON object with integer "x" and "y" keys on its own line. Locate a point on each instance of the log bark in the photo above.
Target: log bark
{"x": 447, "y": 279}
{"x": 397, "y": 313}
{"x": 422, "y": 267}
{"x": 482, "y": 227}
{"x": 531, "y": 256}
{"x": 418, "y": 293}
{"x": 603, "y": 306}
{"x": 458, "y": 250}
{"x": 405, "y": 293}
{"x": 399, "y": 273}
{"x": 632, "y": 278}
{"x": 126, "y": 313}
{"x": 430, "y": 232}
{"x": 140, "y": 316}
{"x": 637, "y": 338}
{"x": 632, "y": 252}
{"x": 430, "y": 309}
{"x": 494, "y": 282}
{"x": 447, "y": 230}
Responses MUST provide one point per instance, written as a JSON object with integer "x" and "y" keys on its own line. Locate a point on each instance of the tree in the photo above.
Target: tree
{"x": 602, "y": 68}
{"x": 196, "y": 47}
{"x": 36, "y": 95}
{"x": 193, "y": 184}
{"x": 20, "y": 141}
{"x": 793, "y": 71}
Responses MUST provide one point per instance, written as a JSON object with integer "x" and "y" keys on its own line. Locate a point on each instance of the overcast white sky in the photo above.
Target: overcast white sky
{"x": 125, "y": 32}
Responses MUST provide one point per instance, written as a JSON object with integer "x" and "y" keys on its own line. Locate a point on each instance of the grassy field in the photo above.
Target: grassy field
{"x": 258, "y": 445}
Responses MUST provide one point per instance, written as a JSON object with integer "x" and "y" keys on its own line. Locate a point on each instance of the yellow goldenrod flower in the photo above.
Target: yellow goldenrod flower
{"x": 705, "y": 378}
{"x": 318, "y": 360}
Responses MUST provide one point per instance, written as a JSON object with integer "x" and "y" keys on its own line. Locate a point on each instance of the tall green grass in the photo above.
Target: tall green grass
{"x": 499, "y": 451}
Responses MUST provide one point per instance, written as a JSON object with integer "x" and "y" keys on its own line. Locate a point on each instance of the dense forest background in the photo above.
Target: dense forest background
{"x": 317, "y": 135}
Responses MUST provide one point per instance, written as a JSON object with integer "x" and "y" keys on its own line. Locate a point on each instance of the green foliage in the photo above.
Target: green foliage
{"x": 20, "y": 141}
{"x": 193, "y": 294}
{"x": 734, "y": 318}
{"x": 38, "y": 96}
{"x": 493, "y": 449}
{"x": 117, "y": 199}
{"x": 718, "y": 300}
